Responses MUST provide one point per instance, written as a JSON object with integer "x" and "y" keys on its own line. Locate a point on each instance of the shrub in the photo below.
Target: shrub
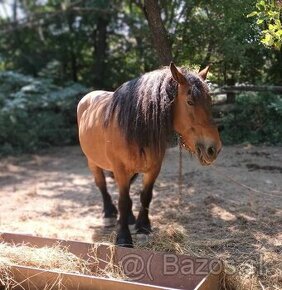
{"x": 35, "y": 113}
{"x": 257, "y": 118}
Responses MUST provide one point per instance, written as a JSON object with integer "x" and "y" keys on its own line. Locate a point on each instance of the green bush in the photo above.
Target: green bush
{"x": 257, "y": 118}
{"x": 36, "y": 113}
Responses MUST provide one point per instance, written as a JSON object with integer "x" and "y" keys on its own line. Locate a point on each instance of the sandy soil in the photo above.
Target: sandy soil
{"x": 232, "y": 209}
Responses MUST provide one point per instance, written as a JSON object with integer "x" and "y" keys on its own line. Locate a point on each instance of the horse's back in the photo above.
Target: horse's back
{"x": 89, "y": 100}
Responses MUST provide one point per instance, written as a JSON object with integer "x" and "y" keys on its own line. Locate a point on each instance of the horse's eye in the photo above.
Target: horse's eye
{"x": 190, "y": 103}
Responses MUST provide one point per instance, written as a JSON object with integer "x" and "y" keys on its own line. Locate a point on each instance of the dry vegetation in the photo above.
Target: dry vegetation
{"x": 243, "y": 273}
{"x": 56, "y": 258}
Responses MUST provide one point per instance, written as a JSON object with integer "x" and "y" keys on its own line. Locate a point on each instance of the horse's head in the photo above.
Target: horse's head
{"x": 192, "y": 118}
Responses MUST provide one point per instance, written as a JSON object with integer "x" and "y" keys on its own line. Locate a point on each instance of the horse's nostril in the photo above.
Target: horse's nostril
{"x": 211, "y": 151}
{"x": 198, "y": 148}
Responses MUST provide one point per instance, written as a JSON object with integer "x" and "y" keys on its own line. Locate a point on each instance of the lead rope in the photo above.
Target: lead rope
{"x": 180, "y": 179}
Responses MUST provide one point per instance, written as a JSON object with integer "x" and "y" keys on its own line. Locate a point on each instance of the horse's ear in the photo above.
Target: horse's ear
{"x": 204, "y": 72}
{"x": 176, "y": 74}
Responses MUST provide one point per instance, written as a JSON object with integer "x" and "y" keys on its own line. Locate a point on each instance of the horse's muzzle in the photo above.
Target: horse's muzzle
{"x": 207, "y": 153}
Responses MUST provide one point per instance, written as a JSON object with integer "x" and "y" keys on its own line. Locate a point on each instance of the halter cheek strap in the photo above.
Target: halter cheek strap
{"x": 182, "y": 143}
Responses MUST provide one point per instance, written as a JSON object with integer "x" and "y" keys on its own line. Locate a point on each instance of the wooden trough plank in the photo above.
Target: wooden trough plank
{"x": 33, "y": 278}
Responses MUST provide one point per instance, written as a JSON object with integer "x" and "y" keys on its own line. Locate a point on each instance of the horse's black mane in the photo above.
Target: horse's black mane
{"x": 142, "y": 107}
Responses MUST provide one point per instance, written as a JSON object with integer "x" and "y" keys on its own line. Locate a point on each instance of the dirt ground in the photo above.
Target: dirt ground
{"x": 231, "y": 210}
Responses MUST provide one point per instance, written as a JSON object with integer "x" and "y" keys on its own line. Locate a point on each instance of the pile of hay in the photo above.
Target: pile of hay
{"x": 238, "y": 274}
{"x": 111, "y": 270}
{"x": 56, "y": 258}
{"x": 170, "y": 240}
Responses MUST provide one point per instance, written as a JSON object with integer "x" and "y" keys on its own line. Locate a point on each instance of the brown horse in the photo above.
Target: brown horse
{"x": 127, "y": 132}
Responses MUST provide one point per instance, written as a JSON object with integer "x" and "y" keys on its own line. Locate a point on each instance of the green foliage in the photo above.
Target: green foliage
{"x": 256, "y": 119}
{"x": 218, "y": 33}
{"x": 35, "y": 113}
{"x": 104, "y": 43}
{"x": 268, "y": 16}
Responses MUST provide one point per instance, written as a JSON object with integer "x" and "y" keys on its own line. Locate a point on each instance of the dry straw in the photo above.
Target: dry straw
{"x": 241, "y": 271}
{"x": 56, "y": 258}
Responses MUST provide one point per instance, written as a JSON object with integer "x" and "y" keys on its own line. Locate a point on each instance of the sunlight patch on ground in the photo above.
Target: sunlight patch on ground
{"x": 222, "y": 213}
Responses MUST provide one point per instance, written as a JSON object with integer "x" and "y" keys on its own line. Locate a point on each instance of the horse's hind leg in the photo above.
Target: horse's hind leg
{"x": 143, "y": 225}
{"x": 109, "y": 209}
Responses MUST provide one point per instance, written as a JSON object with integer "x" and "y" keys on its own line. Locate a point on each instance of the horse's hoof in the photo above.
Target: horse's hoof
{"x": 143, "y": 238}
{"x": 108, "y": 222}
{"x": 110, "y": 211}
{"x": 122, "y": 242}
{"x": 143, "y": 229}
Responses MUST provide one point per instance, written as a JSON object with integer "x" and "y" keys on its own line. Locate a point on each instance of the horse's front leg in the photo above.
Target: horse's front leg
{"x": 124, "y": 238}
{"x": 143, "y": 225}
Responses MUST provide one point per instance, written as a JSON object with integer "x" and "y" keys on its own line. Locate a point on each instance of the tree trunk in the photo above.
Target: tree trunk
{"x": 159, "y": 35}
{"x": 100, "y": 46}
{"x": 206, "y": 61}
{"x": 15, "y": 11}
{"x": 73, "y": 56}
{"x": 230, "y": 95}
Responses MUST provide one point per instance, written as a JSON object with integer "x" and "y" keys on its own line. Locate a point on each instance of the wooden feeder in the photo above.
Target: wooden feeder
{"x": 144, "y": 269}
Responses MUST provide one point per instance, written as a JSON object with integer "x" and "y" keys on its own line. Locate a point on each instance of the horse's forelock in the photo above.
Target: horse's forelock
{"x": 199, "y": 87}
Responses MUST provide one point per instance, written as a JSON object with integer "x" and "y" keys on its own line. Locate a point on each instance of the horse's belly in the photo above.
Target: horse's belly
{"x": 93, "y": 145}
{"x": 104, "y": 149}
